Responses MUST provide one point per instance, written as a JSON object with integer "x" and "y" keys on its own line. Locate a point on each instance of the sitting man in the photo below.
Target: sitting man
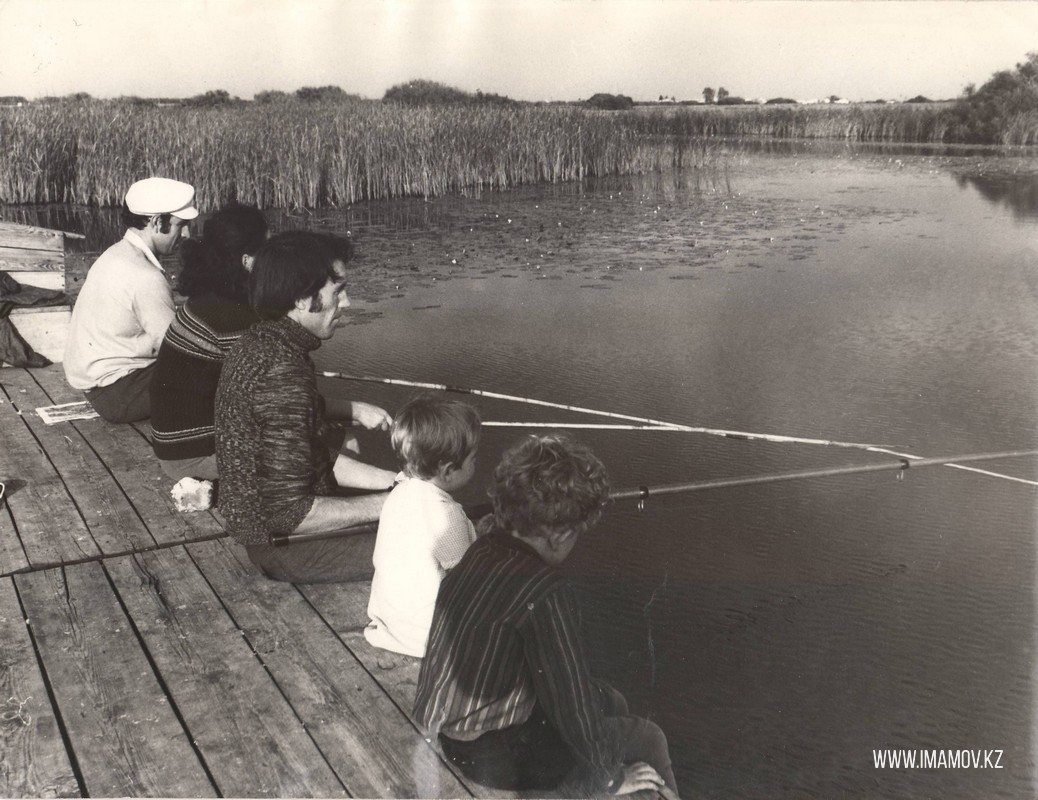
{"x": 505, "y": 684}
{"x": 126, "y": 303}
{"x": 277, "y": 452}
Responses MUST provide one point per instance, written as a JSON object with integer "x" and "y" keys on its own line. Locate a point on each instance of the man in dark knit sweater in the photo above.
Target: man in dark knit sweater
{"x": 277, "y": 472}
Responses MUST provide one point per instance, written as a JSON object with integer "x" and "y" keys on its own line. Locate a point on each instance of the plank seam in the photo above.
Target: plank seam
{"x": 51, "y": 697}
{"x": 104, "y": 464}
{"x": 407, "y": 714}
{"x": 106, "y": 556}
{"x": 163, "y": 686}
{"x": 57, "y": 473}
{"x": 259, "y": 658}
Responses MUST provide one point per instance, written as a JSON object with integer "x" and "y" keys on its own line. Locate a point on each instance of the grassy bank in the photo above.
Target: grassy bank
{"x": 332, "y": 154}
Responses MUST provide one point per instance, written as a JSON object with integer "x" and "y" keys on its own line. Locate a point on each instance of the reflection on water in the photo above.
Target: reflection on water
{"x": 779, "y": 634}
{"x": 1019, "y": 193}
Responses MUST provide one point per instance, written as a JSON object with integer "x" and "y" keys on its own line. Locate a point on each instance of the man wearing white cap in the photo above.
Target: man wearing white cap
{"x": 126, "y": 303}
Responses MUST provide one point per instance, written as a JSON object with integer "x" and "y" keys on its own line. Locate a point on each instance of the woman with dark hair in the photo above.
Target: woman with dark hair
{"x": 214, "y": 278}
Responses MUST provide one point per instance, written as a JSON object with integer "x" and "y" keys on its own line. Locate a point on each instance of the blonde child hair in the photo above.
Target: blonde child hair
{"x": 431, "y": 430}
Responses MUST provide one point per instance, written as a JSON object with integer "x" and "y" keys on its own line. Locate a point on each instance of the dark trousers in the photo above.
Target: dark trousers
{"x": 343, "y": 559}
{"x": 530, "y": 756}
{"x": 126, "y": 400}
{"x": 533, "y": 755}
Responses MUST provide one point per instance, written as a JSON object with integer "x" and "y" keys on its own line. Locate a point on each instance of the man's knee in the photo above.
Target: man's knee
{"x": 643, "y": 741}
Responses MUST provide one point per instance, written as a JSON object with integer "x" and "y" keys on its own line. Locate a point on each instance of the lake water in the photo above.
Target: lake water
{"x": 778, "y": 633}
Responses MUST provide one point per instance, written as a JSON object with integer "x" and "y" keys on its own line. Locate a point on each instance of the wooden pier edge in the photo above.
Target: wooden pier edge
{"x": 146, "y": 656}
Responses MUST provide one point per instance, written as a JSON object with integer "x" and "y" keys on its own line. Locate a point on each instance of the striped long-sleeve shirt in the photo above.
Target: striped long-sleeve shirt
{"x": 270, "y": 422}
{"x": 187, "y": 371}
{"x": 506, "y": 635}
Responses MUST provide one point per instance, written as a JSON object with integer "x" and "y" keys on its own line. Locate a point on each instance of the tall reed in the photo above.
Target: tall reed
{"x": 332, "y": 154}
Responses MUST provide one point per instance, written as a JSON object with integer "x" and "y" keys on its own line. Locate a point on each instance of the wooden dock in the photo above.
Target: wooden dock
{"x": 144, "y": 655}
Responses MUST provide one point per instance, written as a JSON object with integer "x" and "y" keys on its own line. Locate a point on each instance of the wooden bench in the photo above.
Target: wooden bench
{"x": 36, "y": 257}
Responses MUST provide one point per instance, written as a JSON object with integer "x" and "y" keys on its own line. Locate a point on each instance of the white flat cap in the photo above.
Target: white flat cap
{"x": 162, "y": 196}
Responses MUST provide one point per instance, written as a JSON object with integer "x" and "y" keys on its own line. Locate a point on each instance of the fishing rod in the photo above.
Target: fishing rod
{"x": 730, "y": 434}
{"x": 598, "y": 426}
{"x": 643, "y": 493}
{"x": 652, "y": 424}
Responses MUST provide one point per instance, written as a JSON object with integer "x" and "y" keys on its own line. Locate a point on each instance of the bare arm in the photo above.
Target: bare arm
{"x": 358, "y": 475}
{"x": 334, "y": 513}
{"x": 357, "y": 412}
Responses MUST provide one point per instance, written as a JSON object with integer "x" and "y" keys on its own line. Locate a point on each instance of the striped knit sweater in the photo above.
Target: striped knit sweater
{"x": 270, "y": 422}
{"x": 506, "y": 634}
{"x": 183, "y": 389}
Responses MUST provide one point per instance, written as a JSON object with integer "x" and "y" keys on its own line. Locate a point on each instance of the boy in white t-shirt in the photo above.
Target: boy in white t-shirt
{"x": 422, "y": 531}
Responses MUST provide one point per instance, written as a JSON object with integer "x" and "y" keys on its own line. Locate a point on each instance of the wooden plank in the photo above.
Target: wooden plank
{"x": 133, "y": 464}
{"x": 240, "y": 722}
{"x": 47, "y": 521}
{"x": 29, "y": 237}
{"x": 345, "y": 607}
{"x": 35, "y": 762}
{"x": 45, "y": 280}
{"x": 371, "y": 744}
{"x": 12, "y": 553}
{"x": 121, "y": 726}
{"x": 45, "y": 329}
{"x": 17, "y": 259}
{"x": 111, "y": 518}
{"x": 76, "y": 267}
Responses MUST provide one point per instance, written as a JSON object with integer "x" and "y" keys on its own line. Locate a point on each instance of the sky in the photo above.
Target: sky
{"x": 525, "y": 49}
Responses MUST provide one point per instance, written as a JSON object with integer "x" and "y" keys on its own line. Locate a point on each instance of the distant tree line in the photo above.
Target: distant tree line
{"x": 1004, "y": 110}
{"x": 610, "y": 102}
{"x": 432, "y": 93}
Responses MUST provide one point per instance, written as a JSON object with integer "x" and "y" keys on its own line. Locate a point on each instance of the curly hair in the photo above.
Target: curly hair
{"x": 431, "y": 430}
{"x": 548, "y": 483}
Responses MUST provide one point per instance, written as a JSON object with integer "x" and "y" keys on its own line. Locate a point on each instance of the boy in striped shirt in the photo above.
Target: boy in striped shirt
{"x": 505, "y": 685}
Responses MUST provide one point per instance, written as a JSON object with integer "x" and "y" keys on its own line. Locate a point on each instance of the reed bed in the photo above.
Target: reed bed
{"x": 333, "y": 154}
{"x": 310, "y": 155}
{"x": 904, "y": 122}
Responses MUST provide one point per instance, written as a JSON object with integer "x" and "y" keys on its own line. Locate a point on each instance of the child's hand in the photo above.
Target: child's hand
{"x": 368, "y": 416}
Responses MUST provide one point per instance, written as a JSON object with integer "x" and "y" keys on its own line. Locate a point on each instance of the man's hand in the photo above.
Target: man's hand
{"x": 369, "y": 416}
{"x": 640, "y": 776}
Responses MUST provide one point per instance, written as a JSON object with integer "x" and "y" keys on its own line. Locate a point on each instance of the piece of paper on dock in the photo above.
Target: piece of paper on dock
{"x": 66, "y": 412}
